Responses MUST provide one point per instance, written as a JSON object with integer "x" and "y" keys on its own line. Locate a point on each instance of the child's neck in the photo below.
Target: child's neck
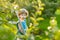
{"x": 21, "y": 19}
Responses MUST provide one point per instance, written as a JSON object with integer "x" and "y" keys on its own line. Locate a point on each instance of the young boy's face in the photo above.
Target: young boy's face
{"x": 22, "y": 16}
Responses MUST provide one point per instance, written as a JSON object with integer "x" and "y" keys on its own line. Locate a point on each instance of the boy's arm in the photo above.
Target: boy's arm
{"x": 20, "y": 28}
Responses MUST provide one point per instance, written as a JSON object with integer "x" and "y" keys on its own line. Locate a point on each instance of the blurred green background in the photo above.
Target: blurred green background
{"x": 40, "y": 12}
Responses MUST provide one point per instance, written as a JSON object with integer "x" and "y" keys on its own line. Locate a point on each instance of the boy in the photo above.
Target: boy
{"x": 21, "y": 25}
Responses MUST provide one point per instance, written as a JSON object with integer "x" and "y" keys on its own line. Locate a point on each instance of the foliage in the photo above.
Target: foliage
{"x": 7, "y": 33}
{"x": 38, "y": 11}
{"x": 50, "y": 7}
